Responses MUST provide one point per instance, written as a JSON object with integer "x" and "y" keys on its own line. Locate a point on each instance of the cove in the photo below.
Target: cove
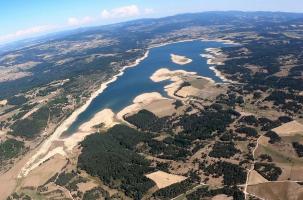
{"x": 136, "y": 80}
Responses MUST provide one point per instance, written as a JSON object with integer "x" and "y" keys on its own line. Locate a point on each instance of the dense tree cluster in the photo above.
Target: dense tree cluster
{"x": 282, "y": 97}
{"x": 16, "y": 196}
{"x": 227, "y": 136}
{"x": 178, "y": 104}
{"x": 223, "y": 150}
{"x": 202, "y": 126}
{"x": 174, "y": 190}
{"x": 274, "y": 137}
{"x": 10, "y": 148}
{"x": 285, "y": 119}
{"x": 112, "y": 158}
{"x": 232, "y": 174}
{"x": 265, "y": 157}
{"x": 32, "y": 126}
{"x": 257, "y": 95}
{"x": 268, "y": 124}
{"x": 17, "y": 100}
{"x": 96, "y": 193}
{"x": 263, "y": 54}
{"x": 250, "y": 132}
{"x": 250, "y": 120}
{"x": 298, "y": 148}
{"x": 146, "y": 120}
{"x": 268, "y": 170}
{"x": 170, "y": 148}
{"x": 64, "y": 178}
{"x": 231, "y": 99}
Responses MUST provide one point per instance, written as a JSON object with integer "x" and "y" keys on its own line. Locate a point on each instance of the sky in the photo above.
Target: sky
{"x": 20, "y": 19}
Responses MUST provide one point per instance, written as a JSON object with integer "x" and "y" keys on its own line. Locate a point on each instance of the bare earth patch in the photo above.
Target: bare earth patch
{"x": 284, "y": 156}
{"x": 221, "y": 197}
{"x": 16, "y": 71}
{"x": 289, "y": 129}
{"x": 200, "y": 87}
{"x": 166, "y": 74}
{"x": 44, "y": 172}
{"x": 163, "y": 179}
{"x": 104, "y": 117}
{"x": 277, "y": 190}
{"x": 178, "y": 77}
{"x": 142, "y": 101}
{"x": 255, "y": 178}
{"x": 161, "y": 107}
{"x": 180, "y": 60}
{"x": 3, "y": 102}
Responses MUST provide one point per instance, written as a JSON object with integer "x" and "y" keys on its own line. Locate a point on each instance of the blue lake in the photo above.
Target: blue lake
{"x": 136, "y": 80}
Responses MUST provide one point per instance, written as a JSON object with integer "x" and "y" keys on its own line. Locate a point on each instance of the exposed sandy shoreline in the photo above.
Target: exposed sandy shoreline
{"x": 220, "y": 75}
{"x": 224, "y": 41}
{"x": 44, "y": 148}
{"x": 174, "y": 76}
{"x": 42, "y": 153}
{"x": 138, "y": 103}
{"x": 180, "y": 60}
{"x": 106, "y": 117}
{"x": 166, "y": 74}
{"x": 3, "y": 102}
{"x": 177, "y": 77}
{"x": 213, "y": 55}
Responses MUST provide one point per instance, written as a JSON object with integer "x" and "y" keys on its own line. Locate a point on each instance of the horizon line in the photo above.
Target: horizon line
{"x": 46, "y": 34}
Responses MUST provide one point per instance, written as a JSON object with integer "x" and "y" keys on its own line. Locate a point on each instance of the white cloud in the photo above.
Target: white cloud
{"x": 148, "y": 11}
{"x": 74, "y": 21}
{"x": 121, "y": 12}
{"x": 111, "y": 14}
{"x": 27, "y": 32}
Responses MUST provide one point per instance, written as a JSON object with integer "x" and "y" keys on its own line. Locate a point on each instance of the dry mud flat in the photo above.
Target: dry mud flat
{"x": 3, "y": 102}
{"x": 186, "y": 84}
{"x": 153, "y": 102}
{"x": 103, "y": 119}
{"x": 180, "y": 60}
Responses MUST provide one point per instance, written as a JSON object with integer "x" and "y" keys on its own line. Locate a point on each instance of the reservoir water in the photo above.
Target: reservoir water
{"x": 136, "y": 80}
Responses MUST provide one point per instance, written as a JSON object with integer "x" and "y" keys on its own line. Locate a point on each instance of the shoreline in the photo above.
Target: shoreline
{"x": 106, "y": 117}
{"x": 45, "y": 146}
{"x": 207, "y": 55}
{"x": 190, "y": 40}
{"x": 180, "y": 60}
{"x": 176, "y": 77}
{"x": 138, "y": 103}
{"x": 210, "y": 55}
{"x": 220, "y": 75}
